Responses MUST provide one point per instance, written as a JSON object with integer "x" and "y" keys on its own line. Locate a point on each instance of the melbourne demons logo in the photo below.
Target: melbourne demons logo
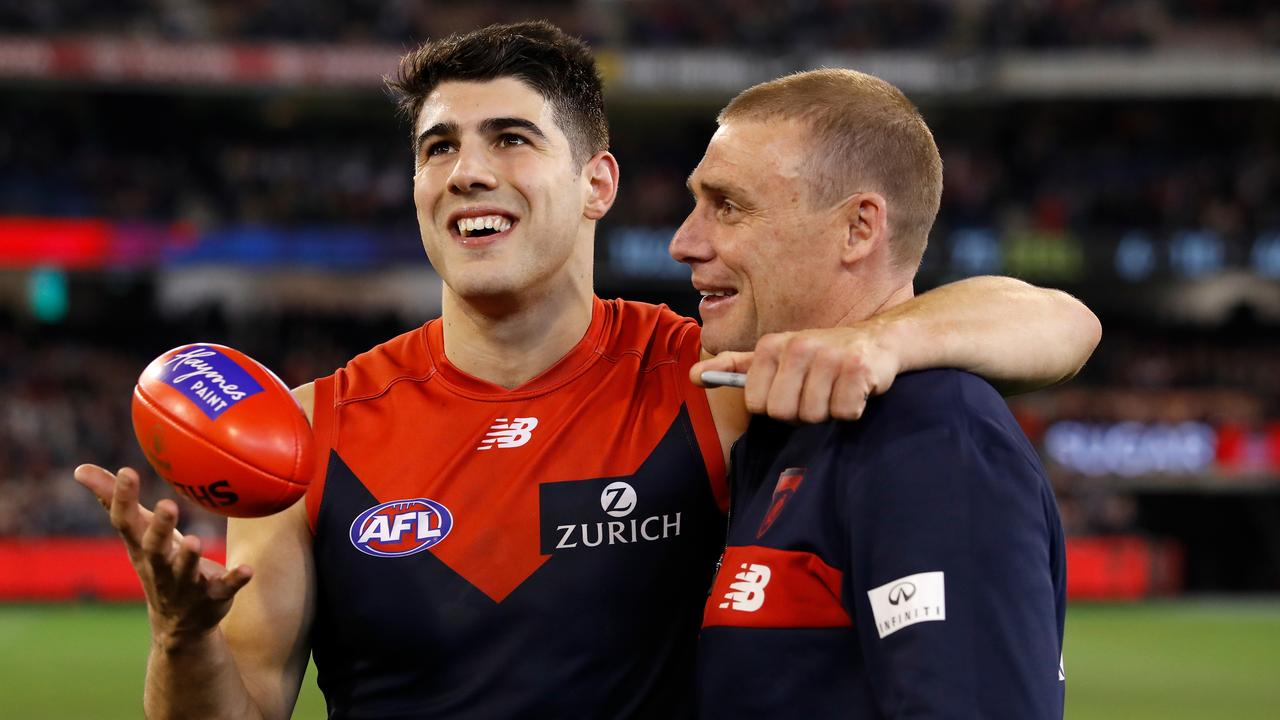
{"x": 788, "y": 482}
{"x": 401, "y": 527}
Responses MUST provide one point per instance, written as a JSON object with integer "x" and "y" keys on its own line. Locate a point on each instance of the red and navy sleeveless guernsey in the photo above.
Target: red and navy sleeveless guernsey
{"x": 537, "y": 552}
{"x": 909, "y": 564}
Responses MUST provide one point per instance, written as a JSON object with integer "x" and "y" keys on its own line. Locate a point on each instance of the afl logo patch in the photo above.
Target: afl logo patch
{"x": 401, "y": 527}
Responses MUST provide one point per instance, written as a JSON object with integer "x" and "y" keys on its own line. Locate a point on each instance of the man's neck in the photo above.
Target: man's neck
{"x": 870, "y": 297}
{"x": 510, "y": 343}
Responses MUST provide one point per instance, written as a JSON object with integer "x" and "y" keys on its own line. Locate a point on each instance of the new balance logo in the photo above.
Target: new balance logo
{"x": 747, "y": 592}
{"x": 508, "y": 433}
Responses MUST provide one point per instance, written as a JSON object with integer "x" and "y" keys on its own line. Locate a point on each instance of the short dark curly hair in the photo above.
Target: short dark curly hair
{"x": 558, "y": 66}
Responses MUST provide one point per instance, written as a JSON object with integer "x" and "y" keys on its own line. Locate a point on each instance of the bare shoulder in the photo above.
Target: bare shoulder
{"x": 305, "y": 394}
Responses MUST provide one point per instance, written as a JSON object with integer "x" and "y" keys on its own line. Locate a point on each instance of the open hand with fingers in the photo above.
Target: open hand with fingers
{"x": 812, "y": 375}
{"x": 187, "y": 595}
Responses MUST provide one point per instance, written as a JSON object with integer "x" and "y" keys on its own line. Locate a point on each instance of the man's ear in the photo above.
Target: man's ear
{"x": 601, "y": 172}
{"x": 866, "y": 216}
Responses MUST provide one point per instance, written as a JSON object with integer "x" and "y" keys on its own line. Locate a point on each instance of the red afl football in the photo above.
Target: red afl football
{"x": 223, "y": 430}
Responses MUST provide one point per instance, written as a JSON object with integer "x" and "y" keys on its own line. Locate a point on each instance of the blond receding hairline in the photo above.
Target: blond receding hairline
{"x": 866, "y": 136}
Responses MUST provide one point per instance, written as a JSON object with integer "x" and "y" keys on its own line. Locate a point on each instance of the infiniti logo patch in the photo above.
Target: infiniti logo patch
{"x": 908, "y": 600}
{"x": 901, "y": 592}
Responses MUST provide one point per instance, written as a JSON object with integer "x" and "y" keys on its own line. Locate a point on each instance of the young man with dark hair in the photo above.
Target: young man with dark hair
{"x": 524, "y": 498}
{"x": 559, "y": 68}
{"x": 910, "y": 564}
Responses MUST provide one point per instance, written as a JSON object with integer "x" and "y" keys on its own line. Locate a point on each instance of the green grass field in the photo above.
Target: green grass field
{"x": 1189, "y": 659}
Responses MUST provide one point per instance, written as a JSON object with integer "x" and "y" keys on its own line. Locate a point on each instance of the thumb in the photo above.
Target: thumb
{"x": 226, "y": 586}
{"x": 737, "y": 362}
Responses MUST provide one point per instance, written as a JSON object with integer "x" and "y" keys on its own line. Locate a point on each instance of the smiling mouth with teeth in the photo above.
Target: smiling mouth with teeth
{"x": 483, "y": 226}
{"x": 718, "y": 293}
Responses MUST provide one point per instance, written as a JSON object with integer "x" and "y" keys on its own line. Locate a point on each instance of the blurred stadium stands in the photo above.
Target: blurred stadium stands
{"x": 950, "y": 25}
{"x": 181, "y": 170}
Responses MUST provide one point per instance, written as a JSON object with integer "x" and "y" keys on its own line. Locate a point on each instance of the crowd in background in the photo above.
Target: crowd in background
{"x": 167, "y": 158}
{"x": 763, "y": 25}
{"x": 61, "y": 404}
{"x": 64, "y": 400}
{"x": 1078, "y": 170}
{"x": 1082, "y": 167}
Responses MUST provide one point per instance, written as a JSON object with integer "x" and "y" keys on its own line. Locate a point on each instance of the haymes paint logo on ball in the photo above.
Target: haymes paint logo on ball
{"x": 209, "y": 379}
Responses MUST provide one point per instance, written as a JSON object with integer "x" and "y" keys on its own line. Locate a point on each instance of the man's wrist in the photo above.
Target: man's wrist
{"x": 900, "y": 336}
{"x": 180, "y": 642}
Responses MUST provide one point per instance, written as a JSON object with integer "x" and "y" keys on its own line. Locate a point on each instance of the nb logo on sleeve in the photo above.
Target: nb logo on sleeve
{"x": 505, "y": 433}
{"x": 746, "y": 592}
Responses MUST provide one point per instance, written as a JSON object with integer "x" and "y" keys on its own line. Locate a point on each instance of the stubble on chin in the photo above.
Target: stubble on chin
{"x": 716, "y": 340}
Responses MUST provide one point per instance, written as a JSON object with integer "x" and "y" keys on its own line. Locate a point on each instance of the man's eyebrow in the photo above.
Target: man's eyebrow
{"x": 717, "y": 189}
{"x": 488, "y": 126}
{"x": 492, "y": 125}
{"x": 440, "y": 128}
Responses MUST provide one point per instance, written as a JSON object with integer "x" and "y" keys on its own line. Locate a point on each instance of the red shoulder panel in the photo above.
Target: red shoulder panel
{"x": 369, "y": 373}
{"x": 769, "y": 588}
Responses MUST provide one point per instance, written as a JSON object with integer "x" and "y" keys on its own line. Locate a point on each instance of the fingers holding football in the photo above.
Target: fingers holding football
{"x": 204, "y": 580}
{"x": 183, "y": 588}
{"x": 128, "y": 517}
{"x": 99, "y": 481}
{"x": 192, "y": 570}
{"x": 226, "y": 585}
{"x": 186, "y": 561}
{"x": 189, "y": 594}
{"x": 158, "y": 544}
{"x": 118, "y": 495}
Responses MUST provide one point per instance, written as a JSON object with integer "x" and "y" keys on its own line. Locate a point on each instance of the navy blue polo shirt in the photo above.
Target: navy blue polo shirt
{"x": 909, "y": 564}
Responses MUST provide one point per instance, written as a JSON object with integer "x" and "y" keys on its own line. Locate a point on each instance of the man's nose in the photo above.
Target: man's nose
{"x": 471, "y": 172}
{"x": 689, "y": 244}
